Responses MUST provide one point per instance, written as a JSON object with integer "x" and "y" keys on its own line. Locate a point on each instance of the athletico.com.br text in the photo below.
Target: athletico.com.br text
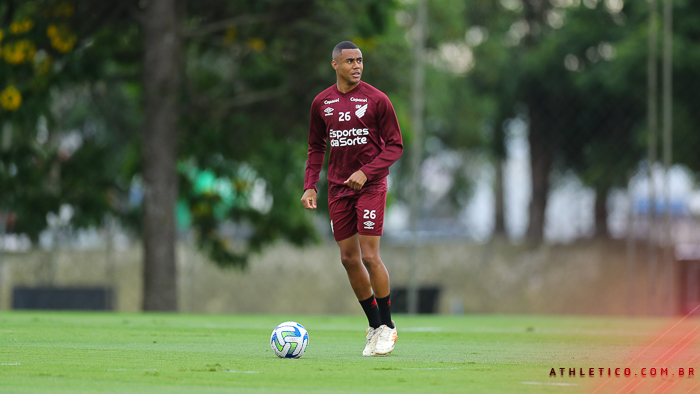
{"x": 622, "y": 372}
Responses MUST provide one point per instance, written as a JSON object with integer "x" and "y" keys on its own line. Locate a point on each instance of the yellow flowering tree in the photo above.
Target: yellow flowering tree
{"x": 40, "y": 54}
{"x": 39, "y": 32}
{"x": 10, "y": 98}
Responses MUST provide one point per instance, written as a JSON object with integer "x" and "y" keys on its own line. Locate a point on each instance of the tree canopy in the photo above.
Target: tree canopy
{"x": 75, "y": 107}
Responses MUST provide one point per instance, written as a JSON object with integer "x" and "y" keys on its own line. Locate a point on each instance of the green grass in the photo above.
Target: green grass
{"x": 66, "y": 352}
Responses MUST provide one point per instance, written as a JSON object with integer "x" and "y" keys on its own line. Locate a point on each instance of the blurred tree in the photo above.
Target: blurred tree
{"x": 453, "y": 112}
{"x": 572, "y": 70}
{"x": 494, "y": 79}
{"x": 686, "y": 79}
{"x": 162, "y": 67}
{"x": 602, "y": 143}
{"x": 248, "y": 72}
{"x": 43, "y": 162}
{"x": 545, "y": 92}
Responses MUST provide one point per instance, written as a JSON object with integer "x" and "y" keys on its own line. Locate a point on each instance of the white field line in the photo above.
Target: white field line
{"x": 516, "y": 330}
{"x": 519, "y": 330}
{"x": 10, "y": 364}
{"x": 430, "y": 369}
{"x": 550, "y": 384}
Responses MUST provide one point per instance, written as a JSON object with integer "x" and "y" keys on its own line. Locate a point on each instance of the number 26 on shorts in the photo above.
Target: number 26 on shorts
{"x": 370, "y": 214}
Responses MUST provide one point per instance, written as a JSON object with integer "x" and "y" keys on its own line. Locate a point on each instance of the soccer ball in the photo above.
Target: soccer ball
{"x": 289, "y": 340}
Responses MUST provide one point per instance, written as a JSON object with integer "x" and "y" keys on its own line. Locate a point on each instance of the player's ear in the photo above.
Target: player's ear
{"x": 334, "y": 64}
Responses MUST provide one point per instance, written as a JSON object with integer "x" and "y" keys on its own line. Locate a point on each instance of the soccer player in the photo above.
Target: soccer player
{"x": 365, "y": 140}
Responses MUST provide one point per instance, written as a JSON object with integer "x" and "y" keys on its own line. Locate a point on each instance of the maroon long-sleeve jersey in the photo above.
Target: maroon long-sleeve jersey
{"x": 363, "y": 131}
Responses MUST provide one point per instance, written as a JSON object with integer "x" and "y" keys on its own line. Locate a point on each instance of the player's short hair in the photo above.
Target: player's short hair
{"x": 343, "y": 45}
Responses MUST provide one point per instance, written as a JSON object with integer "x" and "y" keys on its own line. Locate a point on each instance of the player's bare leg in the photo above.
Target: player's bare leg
{"x": 379, "y": 277}
{"x": 351, "y": 257}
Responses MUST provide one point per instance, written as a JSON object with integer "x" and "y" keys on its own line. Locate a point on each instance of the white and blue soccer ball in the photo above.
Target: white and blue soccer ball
{"x": 289, "y": 340}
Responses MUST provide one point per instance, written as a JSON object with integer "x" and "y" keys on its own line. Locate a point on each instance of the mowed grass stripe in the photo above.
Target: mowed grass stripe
{"x": 56, "y": 352}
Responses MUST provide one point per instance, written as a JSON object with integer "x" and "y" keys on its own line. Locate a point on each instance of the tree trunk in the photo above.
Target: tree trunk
{"x": 499, "y": 160}
{"x": 601, "y": 213}
{"x": 540, "y": 166}
{"x": 500, "y": 225}
{"x": 540, "y": 128}
{"x": 162, "y": 57}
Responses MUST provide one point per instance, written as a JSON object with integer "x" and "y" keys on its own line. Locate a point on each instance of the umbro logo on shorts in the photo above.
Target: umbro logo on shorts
{"x": 369, "y": 225}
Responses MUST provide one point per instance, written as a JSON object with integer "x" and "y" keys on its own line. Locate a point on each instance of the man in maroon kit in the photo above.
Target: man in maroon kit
{"x": 365, "y": 140}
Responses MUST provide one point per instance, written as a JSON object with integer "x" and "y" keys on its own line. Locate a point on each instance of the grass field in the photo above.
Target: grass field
{"x": 66, "y": 352}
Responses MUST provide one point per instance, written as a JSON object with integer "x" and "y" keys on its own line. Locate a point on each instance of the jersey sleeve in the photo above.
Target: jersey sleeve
{"x": 317, "y": 148}
{"x": 390, "y": 133}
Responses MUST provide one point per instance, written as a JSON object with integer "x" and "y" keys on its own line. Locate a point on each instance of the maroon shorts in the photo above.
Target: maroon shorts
{"x": 359, "y": 211}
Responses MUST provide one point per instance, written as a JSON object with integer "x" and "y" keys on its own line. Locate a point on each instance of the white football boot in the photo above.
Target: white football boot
{"x": 372, "y": 336}
{"x": 386, "y": 341}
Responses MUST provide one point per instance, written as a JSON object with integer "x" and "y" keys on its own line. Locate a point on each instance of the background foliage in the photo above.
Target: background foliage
{"x": 573, "y": 71}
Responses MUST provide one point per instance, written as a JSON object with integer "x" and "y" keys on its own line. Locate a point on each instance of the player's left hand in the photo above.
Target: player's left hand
{"x": 356, "y": 180}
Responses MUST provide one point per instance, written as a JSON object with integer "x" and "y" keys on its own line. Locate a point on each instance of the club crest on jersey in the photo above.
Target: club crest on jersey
{"x": 361, "y": 111}
{"x": 328, "y": 111}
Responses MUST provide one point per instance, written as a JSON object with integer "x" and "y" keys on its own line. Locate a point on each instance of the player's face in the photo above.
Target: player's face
{"x": 349, "y": 66}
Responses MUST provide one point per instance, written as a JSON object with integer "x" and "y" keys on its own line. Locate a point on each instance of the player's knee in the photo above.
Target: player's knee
{"x": 371, "y": 260}
{"x": 349, "y": 260}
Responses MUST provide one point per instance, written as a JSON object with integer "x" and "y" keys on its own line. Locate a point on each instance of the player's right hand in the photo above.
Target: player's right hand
{"x": 309, "y": 199}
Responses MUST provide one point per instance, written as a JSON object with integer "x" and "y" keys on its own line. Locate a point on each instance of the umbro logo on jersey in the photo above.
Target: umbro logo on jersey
{"x": 361, "y": 111}
{"x": 328, "y": 111}
{"x": 369, "y": 225}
